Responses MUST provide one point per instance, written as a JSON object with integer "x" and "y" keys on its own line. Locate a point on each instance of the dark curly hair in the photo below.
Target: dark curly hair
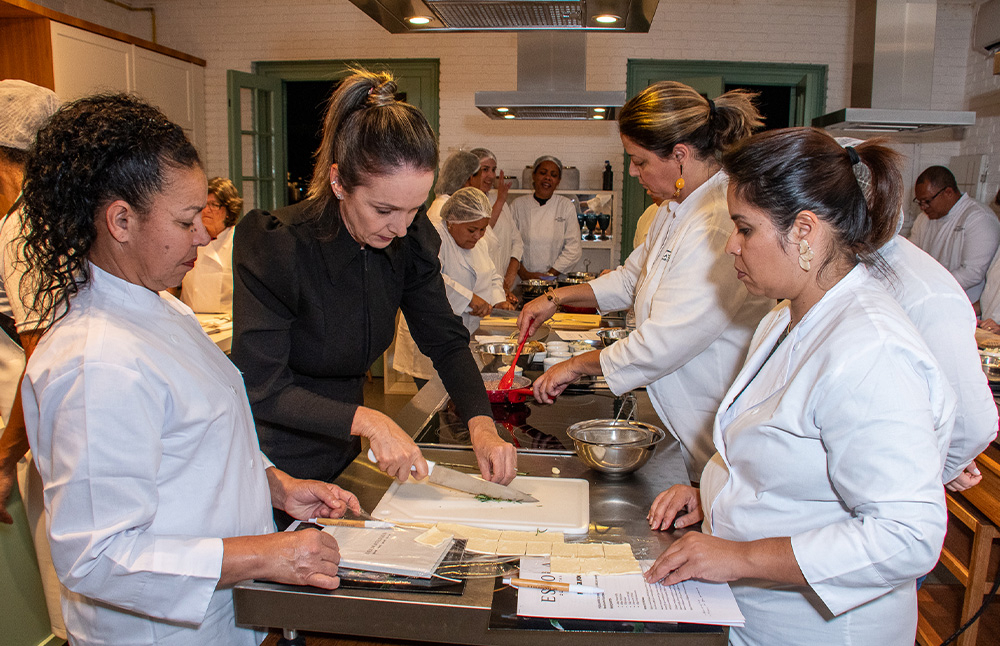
{"x": 93, "y": 151}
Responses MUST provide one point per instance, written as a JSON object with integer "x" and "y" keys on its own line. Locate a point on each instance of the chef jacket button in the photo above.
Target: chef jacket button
{"x": 233, "y": 388}
{"x": 174, "y": 339}
{"x": 251, "y": 463}
{"x": 754, "y": 411}
{"x": 797, "y": 346}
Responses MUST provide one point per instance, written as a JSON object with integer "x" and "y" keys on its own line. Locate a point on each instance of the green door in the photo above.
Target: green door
{"x": 256, "y": 146}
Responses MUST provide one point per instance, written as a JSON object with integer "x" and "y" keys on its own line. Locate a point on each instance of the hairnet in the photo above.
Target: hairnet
{"x": 466, "y": 205}
{"x": 483, "y": 153}
{"x": 545, "y": 158}
{"x": 455, "y": 172}
{"x": 24, "y": 109}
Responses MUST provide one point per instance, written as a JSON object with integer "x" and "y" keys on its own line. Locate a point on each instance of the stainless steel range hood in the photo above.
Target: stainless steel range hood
{"x": 415, "y": 16}
{"x": 551, "y": 83}
{"x": 893, "y": 72}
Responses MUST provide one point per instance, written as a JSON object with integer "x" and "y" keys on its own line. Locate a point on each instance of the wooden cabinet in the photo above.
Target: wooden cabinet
{"x": 76, "y": 58}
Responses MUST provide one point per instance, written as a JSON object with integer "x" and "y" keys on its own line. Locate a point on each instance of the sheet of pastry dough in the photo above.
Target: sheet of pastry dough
{"x": 510, "y": 547}
{"x": 618, "y": 551}
{"x": 481, "y": 545}
{"x": 620, "y": 566}
{"x": 564, "y": 549}
{"x": 590, "y": 550}
{"x": 464, "y": 531}
{"x": 537, "y": 548}
{"x": 433, "y": 537}
{"x": 564, "y": 565}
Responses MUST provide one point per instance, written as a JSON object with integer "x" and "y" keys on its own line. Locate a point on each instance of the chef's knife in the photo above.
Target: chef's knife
{"x": 445, "y": 477}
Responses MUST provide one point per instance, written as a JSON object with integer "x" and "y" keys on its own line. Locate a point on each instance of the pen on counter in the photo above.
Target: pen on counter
{"x": 346, "y": 522}
{"x": 554, "y": 585}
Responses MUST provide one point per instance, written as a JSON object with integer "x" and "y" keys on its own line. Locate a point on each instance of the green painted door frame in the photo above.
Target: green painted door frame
{"x": 808, "y": 83}
{"x": 417, "y": 78}
{"x": 257, "y": 138}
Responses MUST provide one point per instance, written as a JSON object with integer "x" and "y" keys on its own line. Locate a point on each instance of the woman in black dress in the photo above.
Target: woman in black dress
{"x": 317, "y": 286}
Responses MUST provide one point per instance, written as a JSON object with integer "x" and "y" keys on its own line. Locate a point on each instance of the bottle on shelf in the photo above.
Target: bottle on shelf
{"x": 609, "y": 177}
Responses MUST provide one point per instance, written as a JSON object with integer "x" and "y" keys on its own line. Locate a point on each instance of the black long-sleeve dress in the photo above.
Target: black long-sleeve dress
{"x": 312, "y": 310}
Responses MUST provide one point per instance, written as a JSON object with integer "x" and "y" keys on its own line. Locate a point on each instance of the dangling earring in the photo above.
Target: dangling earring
{"x": 805, "y": 255}
{"x": 679, "y": 184}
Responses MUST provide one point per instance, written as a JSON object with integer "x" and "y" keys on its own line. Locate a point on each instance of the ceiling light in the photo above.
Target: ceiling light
{"x": 503, "y": 109}
{"x": 600, "y": 109}
{"x": 607, "y": 19}
{"x": 418, "y": 20}
{"x": 598, "y": 116}
{"x": 508, "y": 116}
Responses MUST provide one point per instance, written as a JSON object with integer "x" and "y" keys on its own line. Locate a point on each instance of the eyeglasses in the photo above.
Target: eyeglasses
{"x": 213, "y": 205}
{"x": 925, "y": 203}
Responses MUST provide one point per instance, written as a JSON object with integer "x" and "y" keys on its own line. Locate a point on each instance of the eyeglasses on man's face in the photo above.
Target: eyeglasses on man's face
{"x": 925, "y": 203}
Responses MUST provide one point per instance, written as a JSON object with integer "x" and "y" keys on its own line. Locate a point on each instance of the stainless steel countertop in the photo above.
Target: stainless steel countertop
{"x": 618, "y": 507}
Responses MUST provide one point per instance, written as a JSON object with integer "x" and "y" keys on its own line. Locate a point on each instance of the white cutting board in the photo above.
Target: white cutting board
{"x": 563, "y": 505}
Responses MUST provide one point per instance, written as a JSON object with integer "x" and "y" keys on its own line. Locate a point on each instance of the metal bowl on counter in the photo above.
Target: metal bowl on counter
{"x": 535, "y": 287}
{"x": 505, "y": 351}
{"x": 990, "y": 358}
{"x": 576, "y": 278}
{"x": 609, "y": 335}
{"x": 615, "y": 446}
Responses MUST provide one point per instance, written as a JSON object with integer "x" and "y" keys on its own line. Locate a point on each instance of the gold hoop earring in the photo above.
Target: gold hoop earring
{"x": 679, "y": 184}
{"x": 805, "y": 255}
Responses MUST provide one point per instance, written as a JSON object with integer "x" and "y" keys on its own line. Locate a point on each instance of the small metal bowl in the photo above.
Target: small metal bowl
{"x": 505, "y": 350}
{"x": 615, "y": 447}
{"x": 535, "y": 287}
{"x": 991, "y": 364}
{"x": 609, "y": 335}
{"x": 586, "y": 344}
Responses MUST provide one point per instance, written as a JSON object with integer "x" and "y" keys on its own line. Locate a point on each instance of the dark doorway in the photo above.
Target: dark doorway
{"x": 774, "y": 102}
{"x": 305, "y": 103}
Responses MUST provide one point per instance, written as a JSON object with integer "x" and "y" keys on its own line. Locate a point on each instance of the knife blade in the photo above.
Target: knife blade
{"x": 445, "y": 477}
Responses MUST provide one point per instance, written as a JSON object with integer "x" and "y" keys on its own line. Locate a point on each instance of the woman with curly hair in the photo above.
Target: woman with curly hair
{"x": 317, "y": 289}
{"x": 209, "y": 286}
{"x": 157, "y": 494}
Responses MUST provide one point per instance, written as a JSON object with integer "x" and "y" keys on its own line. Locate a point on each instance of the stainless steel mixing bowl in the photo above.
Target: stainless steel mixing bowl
{"x": 614, "y": 446}
{"x": 505, "y": 350}
{"x": 609, "y": 335}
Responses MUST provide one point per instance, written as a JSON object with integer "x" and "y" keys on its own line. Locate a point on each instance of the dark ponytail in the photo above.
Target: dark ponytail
{"x": 669, "y": 113}
{"x": 856, "y": 190}
{"x": 366, "y": 131}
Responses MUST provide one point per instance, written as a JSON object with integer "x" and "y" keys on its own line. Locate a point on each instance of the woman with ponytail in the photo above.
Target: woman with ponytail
{"x": 824, "y": 501}
{"x": 317, "y": 286}
{"x": 694, "y": 318}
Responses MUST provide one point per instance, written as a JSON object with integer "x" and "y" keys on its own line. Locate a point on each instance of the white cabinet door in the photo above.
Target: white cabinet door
{"x": 167, "y": 83}
{"x": 86, "y": 63}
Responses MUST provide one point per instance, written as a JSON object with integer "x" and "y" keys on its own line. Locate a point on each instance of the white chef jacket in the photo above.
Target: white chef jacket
{"x": 434, "y": 210}
{"x": 503, "y": 239}
{"x": 466, "y": 272}
{"x": 940, "y": 310}
{"x": 989, "y": 300}
{"x": 209, "y": 286}
{"x": 837, "y": 442}
{"x": 694, "y": 317}
{"x": 642, "y": 226}
{"x": 964, "y": 241}
{"x": 142, "y": 432}
{"x": 550, "y": 233}
{"x": 11, "y": 354}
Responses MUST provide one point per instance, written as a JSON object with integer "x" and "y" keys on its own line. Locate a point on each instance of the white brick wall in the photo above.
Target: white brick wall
{"x": 982, "y": 93}
{"x": 231, "y": 34}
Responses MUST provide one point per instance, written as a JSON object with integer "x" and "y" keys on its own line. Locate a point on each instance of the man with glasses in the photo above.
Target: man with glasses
{"x": 954, "y": 229}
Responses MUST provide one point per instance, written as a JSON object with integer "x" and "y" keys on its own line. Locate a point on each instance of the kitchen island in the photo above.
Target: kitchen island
{"x": 618, "y": 507}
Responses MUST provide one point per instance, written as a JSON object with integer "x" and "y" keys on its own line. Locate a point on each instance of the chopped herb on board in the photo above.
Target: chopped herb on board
{"x": 484, "y": 498}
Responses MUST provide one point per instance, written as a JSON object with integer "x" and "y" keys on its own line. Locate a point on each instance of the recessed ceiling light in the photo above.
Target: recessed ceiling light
{"x": 508, "y": 116}
{"x": 503, "y": 109}
{"x": 418, "y": 20}
{"x": 607, "y": 19}
{"x": 600, "y": 110}
{"x": 598, "y": 116}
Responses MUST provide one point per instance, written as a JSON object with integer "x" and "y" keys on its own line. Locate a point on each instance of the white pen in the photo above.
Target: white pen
{"x": 554, "y": 585}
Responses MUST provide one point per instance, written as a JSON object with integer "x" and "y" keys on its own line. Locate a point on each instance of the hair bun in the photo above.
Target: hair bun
{"x": 382, "y": 94}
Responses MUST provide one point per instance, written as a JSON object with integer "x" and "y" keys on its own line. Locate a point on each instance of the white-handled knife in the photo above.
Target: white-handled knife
{"x": 445, "y": 477}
